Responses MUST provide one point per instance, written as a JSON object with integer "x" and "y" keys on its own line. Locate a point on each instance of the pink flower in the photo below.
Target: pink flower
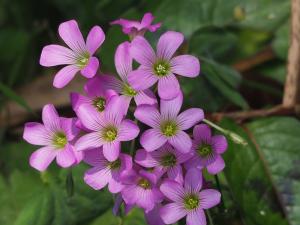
{"x": 78, "y": 58}
{"x": 165, "y": 160}
{"x": 153, "y": 217}
{"x": 104, "y": 172}
{"x": 123, "y": 63}
{"x": 107, "y": 130}
{"x": 161, "y": 66}
{"x": 207, "y": 150}
{"x": 167, "y": 125}
{"x": 188, "y": 201}
{"x": 141, "y": 189}
{"x": 134, "y": 28}
{"x": 56, "y": 135}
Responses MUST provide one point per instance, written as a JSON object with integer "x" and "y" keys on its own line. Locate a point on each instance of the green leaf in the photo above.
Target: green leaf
{"x": 281, "y": 42}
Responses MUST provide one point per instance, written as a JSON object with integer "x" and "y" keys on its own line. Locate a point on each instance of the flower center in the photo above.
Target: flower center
{"x": 204, "y": 150}
{"x": 99, "y": 104}
{"x": 169, "y": 128}
{"x": 115, "y": 164}
{"x": 60, "y": 140}
{"x": 129, "y": 91}
{"x": 168, "y": 160}
{"x": 161, "y": 68}
{"x": 83, "y": 60}
{"x": 144, "y": 183}
{"x": 191, "y": 202}
{"x": 110, "y": 134}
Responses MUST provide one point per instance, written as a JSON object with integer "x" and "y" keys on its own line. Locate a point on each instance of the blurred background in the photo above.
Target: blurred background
{"x": 243, "y": 47}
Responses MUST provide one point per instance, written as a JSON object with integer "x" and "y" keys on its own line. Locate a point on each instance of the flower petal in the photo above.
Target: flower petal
{"x": 66, "y": 157}
{"x": 51, "y": 118}
{"x": 115, "y": 186}
{"x": 123, "y": 60}
{"x": 145, "y": 97}
{"x": 168, "y": 87}
{"x": 90, "y": 119}
{"x": 209, "y": 198}
{"x": 181, "y": 141}
{"x": 69, "y": 127}
{"x": 142, "y": 51}
{"x": 145, "y": 159}
{"x": 168, "y": 43}
{"x": 172, "y": 190}
{"x": 114, "y": 110}
{"x": 91, "y": 68}
{"x": 147, "y": 19}
{"x": 70, "y": 33}
{"x": 148, "y": 114}
{"x": 175, "y": 173}
{"x": 89, "y": 141}
{"x": 152, "y": 139}
{"x": 185, "y": 65}
{"x": 53, "y": 55}
{"x": 196, "y": 217}
{"x": 217, "y": 166}
{"x": 111, "y": 150}
{"x": 128, "y": 130}
{"x": 172, "y": 212}
{"x": 36, "y": 134}
{"x": 202, "y": 132}
{"x": 171, "y": 108}
{"x": 42, "y": 157}
{"x": 64, "y": 76}
{"x": 95, "y": 157}
{"x": 142, "y": 78}
{"x": 219, "y": 143}
{"x": 193, "y": 180}
{"x": 189, "y": 118}
{"x": 153, "y": 217}
{"x": 95, "y": 39}
{"x": 97, "y": 178}
{"x": 105, "y": 82}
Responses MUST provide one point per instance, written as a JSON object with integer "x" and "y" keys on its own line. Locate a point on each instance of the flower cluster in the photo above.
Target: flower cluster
{"x": 162, "y": 173}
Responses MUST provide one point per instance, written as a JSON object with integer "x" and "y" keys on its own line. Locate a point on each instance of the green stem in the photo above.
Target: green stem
{"x": 222, "y": 206}
{"x": 211, "y": 222}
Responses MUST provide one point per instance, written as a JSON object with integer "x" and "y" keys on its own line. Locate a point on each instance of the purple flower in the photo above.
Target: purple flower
{"x": 134, "y": 28}
{"x": 165, "y": 160}
{"x": 207, "y": 150}
{"x": 78, "y": 58}
{"x": 56, "y": 135}
{"x": 188, "y": 201}
{"x": 141, "y": 189}
{"x": 108, "y": 129}
{"x": 167, "y": 125}
{"x": 161, "y": 66}
{"x": 153, "y": 216}
{"x": 105, "y": 172}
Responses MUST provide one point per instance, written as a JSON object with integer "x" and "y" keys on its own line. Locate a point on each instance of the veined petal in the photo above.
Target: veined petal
{"x": 147, "y": 19}
{"x": 209, "y": 198}
{"x": 42, "y": 157}
{"x": 202, "y": 132}
{"x": 142, "y": 78}
{"x": 78, "y": 99}
{"x": 171, "y": 108}
{"x": 91, "y": 68}
{"x": 145, "y": 97}
{"x": 97, "y": 178}
{"x": 193, "y": 180}
{"x": 114, "y": 110}
{"x": 168, "y": 43}
{"x": 115, "y": 186}
{"x": 148, "y": 114}
{"x": 145, "y": 159}
{"x": 51, "y": 118}
{"x": 69, "y": 127}
{"x": 111, "y": 150}
{"x": 217, "y": 166}
{"x": 66, "y": 157}
{"x": 168, "y": 87}
{"x": 196, "y": 217}
{"x": 142, "y": 51}
{"x": 89, "y": 141}
{"x": 53, "y": 55}
{"x": 123, "y": 60}
{"x": 185, "y": 65}
{"x": 172, "y": 190}
{"x": 175, "y": 173}
{"x": 103, "y": 83}
{"x": 128, "y": 130}
{"x": 181, "y": 141}
{"x": 219, "y": 143}
{"x": 189, "y": 118}
{"x": 36, "y": 134}
{"x": 153, "y": 217}
{"x": 95, "y": 39}
{"x": 95, "y": 157}
{"x": 64, "y": 76}
{"x": 90, "y": 119}
{"x": 152, "y": 139}
{"x": 70, "y": 33}
{"x": 172, "y": 212}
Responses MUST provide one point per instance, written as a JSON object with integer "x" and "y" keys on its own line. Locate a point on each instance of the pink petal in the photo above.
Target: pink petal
{"x": 94, "y": 39}
{"x": 123, "y": 60}
{"x": 145, "y": 97}
{"x": 89, "y": 141}
{"x": 142, "y": 51}
{"x": 219, "y": 143}
{"x": 172, "y": 212}
{"x": 51, "y": 118}
{"x": 115, "y": 186}
{"x": 70, "y": 33}
{"x": 217, "y": 166}
{"x": 196, "y": 217}
{"x": 209, "y": 198}
{"x": 126, "y": 162}
{"x": 90, "y": 119}
{"x": 42, "y": 157}
{"x": 145, "y": 159}
{"x": 153, "y": 216}
{"x": 78, "y": 99}
{"x": 147, "y": 19}
{"x": 97, "y": 178}
{"x": 202, "y": 132}
{"x": 91, "y": 68}
{"x": 152, "y": 139}
{"x": 130, "y": 194}
{"x": 66, "y": 157}
{"x": 114, "y": 110}
{"x": 185, "y": 65}
{"x": 142, "y": 78}
{"x": 64, "y": 76}
{"x": 111, "y": 150}
{"x": 36, "y": 134}
{"x": 189, "y": 118}
{"x": 126, "y": 103}
{"x": 175, "y": 173}
{"x": 69, "y": 127}
{"x": 168, "y": 87}
{"x": 168, "y": 43}
{"x": 181, "y": 141}
{"x": 172, "y": 190}
{"x": 171, "y": 108}
{"x": 194, "y": 162}
{"x": 53, "y": 55}
{"x": 105, "y": 82}
{"x": 145, "y": 199}
{"x": 95, "y": 157}
{"x": 148, "y": 114}
{"x": 193, "y": 180}
{"x": 128, "y": 130}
